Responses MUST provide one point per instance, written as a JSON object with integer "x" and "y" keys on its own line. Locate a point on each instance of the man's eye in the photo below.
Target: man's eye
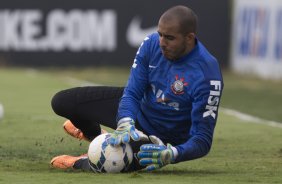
{"x": 170, "y": 37}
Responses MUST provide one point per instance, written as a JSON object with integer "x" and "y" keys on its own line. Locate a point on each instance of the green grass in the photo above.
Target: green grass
{"x": 248, "y": 94}
{"x": 31, "y": 134}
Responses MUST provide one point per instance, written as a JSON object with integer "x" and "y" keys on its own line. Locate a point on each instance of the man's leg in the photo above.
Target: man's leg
{"x": 75, "y": 132}
{"x": 88, "y": 107}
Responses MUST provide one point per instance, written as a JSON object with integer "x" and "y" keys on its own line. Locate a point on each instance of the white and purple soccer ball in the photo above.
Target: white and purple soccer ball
{"x": 104, "y": 158}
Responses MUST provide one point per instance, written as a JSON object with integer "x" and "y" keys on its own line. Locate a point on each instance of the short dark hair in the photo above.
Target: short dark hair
{"x": 185, "y": 16}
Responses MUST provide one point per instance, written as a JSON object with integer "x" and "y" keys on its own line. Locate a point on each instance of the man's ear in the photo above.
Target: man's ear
{"x": 190, "y": 36}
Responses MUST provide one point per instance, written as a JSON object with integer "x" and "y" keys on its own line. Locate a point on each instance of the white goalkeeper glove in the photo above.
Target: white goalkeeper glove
{"x": 156, "y": 155}
{"x": 126, "y": 130}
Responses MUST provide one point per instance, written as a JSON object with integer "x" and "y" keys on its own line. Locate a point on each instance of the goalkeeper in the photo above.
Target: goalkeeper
{"x": 172, "y": 95}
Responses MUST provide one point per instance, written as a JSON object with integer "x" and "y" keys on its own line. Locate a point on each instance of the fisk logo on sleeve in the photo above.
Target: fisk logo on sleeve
{"x": 213, "y": 99}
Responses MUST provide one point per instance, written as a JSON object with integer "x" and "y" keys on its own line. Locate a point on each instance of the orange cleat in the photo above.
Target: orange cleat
{"x": 65, "y": 161}
{"x": 75, "y": 132}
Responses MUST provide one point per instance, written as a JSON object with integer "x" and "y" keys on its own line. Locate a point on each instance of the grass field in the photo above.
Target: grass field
{"x": 31, "y": 134}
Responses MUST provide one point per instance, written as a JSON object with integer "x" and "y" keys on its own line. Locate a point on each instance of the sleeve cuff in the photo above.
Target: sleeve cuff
{"x": 125, "y": 119}
{"x": 175, "y": 152}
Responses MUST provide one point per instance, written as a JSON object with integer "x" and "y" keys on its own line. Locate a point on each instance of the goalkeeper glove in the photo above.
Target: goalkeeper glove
{"x": 157, "y": 155}
{"x": 125, "y": 130}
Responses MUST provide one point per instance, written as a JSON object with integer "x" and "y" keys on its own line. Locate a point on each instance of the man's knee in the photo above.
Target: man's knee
{"x": 63, "y": 102}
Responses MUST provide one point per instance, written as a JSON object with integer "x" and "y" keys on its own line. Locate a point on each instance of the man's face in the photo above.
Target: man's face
{"x": 173, "y": 44}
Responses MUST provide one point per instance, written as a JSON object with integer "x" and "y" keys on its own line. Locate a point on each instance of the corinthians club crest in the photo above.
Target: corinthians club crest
{"x": 178, "y": 85}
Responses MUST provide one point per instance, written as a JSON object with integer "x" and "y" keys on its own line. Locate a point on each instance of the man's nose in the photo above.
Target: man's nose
{"x": 162, "y": 41}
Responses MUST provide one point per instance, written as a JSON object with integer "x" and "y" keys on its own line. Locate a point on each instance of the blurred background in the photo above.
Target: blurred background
{"x": 48, "y": 46}
{"x": 97, "y": 33}
{"x": 245, "y": 37}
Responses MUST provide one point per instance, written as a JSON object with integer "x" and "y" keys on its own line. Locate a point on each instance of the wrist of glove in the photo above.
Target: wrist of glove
{"x": 155, "y": 156}
{"x": 125, "y": 131}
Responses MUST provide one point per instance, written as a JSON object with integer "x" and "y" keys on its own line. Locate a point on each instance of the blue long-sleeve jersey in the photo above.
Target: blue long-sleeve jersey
{"x": 176, "y": 101}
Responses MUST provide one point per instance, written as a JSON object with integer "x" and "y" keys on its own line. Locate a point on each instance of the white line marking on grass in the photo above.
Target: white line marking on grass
{"x": 77, "y": 82}
{"x": 39, "y": 118}
{"x": 249, "y": 118}
{"x": 245, "y": 117}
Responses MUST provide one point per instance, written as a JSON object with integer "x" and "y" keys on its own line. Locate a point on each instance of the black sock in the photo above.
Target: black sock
{"x": 82, "y": 164}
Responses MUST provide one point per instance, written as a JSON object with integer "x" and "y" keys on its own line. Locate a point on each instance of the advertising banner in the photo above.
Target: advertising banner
{"x": 102, "y": 32}
{"x": 257, "y": 38}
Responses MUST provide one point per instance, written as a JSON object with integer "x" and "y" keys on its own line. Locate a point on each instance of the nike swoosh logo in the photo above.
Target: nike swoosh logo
{"x": 151, "y": 66}
{"x": 135, "y": 34}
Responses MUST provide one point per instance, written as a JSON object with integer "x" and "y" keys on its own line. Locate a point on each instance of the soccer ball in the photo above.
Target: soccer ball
{"x": 1, "y": 111}
{"x": 108, "y": 159}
